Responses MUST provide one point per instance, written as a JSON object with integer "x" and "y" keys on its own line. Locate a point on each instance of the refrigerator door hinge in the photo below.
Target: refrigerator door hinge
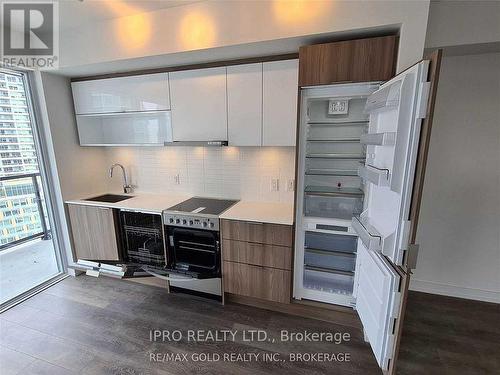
{"x": 412, "y": 256}
{"x": 422, "y": 99}
{"x": 404, "y": 239}
{"x": 394, "y": 321}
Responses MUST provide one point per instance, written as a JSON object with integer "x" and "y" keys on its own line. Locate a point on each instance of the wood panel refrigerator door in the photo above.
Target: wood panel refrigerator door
{"x": 139, "y": 93}
{"x": 244, "y": 104}
{"x": 279, "y": 113}
{"x": 396, "y": 112}
{"x": 199, "y": 110}
{"x": 377, "y": 301}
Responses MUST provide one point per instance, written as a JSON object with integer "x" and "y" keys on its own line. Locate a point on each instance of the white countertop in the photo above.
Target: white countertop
{"x": 144, "y": 202}
{"x": 262, "y": 212}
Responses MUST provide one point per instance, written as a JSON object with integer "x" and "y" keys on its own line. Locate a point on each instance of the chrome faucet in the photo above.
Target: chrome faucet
{"x": 127, "y": 188}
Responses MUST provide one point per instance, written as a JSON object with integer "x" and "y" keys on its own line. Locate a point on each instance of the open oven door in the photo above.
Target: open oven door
{"x": 392, "y": 172}
{"x": 193, "y": 253}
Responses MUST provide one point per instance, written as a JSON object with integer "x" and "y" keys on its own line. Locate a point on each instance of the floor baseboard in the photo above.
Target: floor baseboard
{"x": 454, "y": 291}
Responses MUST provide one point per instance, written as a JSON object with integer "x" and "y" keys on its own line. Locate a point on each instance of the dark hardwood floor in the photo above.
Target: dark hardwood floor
{"x": 102, "y": 326}
{"x": 448, "y": 335}
{"x": 85, "y": 325}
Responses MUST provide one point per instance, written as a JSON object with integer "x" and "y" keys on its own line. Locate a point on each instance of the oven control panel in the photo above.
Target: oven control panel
{"x": 191, "y": 221}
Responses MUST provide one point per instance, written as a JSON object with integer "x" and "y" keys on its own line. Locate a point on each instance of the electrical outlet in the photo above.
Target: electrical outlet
{"x": 290, "y": 184}
{"x": 177, "y": 179}
{"x": 275, "y": 184}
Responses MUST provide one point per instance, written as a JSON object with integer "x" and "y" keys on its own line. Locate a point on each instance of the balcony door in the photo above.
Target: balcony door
{"x": 29, "y": 252}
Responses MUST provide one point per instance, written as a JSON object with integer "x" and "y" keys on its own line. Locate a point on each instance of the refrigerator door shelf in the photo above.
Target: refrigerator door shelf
{"x": 384, "y": 99}
{"x": 375, "y": 175}
{"x": 367, "y": 233}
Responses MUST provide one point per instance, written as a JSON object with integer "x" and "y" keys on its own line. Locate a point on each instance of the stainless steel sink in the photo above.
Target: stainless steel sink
{"x": 109, "y": 198}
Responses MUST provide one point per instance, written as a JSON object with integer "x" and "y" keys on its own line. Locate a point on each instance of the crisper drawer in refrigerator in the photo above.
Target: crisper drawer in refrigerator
{"x": 333, "y": 242}
{"x": 330, "y": 260}
{"x": 328, "y": 282}
{"x": 332, "y": 205}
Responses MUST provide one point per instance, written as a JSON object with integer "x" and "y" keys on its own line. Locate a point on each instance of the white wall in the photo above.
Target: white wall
{"x": 82, "y": 170}
{"x": 453, "y": 23}
{"x": 213, "y": 25}
{"x": 459, "y": 227}
{"x": 227, "y": 172}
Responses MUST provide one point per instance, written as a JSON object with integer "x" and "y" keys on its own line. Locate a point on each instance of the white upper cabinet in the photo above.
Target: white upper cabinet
{"x": 244, "y": 104}
{"x": 124, "y": 94}
{"x": 280, "y": 89}
{"x": 199, "y": 110}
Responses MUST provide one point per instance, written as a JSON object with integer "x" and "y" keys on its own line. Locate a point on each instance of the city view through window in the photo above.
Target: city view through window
{"x": 21, "y": 196}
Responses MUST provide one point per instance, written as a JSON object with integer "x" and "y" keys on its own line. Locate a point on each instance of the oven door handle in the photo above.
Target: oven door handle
{"x": 168, "y": 278}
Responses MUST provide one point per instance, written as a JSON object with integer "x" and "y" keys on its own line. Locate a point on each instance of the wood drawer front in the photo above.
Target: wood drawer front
{"x": 255, "y": 281}
{"x": 272, "y": 234}
{"x": 257, "y": 254}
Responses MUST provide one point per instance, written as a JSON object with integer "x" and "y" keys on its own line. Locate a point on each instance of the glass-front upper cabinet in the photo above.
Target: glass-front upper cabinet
{"x": 138, "y": 93}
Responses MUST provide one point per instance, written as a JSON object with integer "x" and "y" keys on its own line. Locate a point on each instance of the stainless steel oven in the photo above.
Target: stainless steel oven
{"x": 193, "y": 252}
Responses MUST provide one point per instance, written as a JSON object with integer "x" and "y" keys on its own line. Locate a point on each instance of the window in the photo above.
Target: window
{"x": 19, "y": 173}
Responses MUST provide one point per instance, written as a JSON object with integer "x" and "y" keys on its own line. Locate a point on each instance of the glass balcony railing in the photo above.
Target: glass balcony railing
{"x": 22, "y": 210}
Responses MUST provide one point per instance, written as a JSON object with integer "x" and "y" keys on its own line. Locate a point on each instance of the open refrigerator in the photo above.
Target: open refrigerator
{"x": 357, "y": 152}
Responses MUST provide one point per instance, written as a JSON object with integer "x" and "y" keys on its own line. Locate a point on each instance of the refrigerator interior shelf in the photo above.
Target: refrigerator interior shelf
{"x": 379, "y": 139}
{"x": 339, "y": 123}
{"x": 336, "y": 140}
{"x": 370, "y": 237}
{"x": 331, "y": 252}
{"x": 377, "y": 176}
{"x": 336, "y": 156}
{"x": 333, "y": 191}
{"x": 328, "y": 270}
{"x": 330, "y": 172}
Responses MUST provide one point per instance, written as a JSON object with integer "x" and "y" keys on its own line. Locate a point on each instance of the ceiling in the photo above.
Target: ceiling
{"x": 77, "y": 13}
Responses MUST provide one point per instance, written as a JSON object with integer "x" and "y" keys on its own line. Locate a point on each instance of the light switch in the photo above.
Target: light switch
{"x": 275, "y": 184}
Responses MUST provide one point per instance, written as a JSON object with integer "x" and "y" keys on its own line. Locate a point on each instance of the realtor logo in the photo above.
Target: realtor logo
{"x": 30, "y": 34}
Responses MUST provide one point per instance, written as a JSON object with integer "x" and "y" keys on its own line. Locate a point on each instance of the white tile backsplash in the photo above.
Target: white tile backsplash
{"x": 226, "y": 172}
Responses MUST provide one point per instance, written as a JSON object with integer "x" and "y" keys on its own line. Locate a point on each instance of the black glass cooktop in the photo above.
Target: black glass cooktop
{"x": 197, "y": 205}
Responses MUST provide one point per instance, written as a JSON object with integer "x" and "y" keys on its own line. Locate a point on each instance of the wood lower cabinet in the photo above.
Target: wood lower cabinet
{"x": 94, "y": 232}
{"x": 257, "y": 260}
{"x": 257, "y": 254}
{"x": 256, "y": 281}
{"x": 359, "y": 60}
{"x": 272, "y": 234}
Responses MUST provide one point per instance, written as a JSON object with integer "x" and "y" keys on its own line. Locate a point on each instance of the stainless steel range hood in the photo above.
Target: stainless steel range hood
{"x": 197, "y": 143}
